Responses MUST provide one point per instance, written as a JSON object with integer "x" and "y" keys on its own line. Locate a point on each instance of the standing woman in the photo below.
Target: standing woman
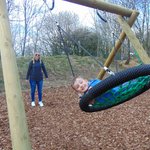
{"x": 35, "y": 76}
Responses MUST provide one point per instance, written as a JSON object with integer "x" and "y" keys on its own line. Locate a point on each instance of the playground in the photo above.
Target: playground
{"x": 60, "y": 124}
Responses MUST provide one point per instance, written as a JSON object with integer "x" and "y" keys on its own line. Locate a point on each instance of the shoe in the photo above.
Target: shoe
{"x": 41, "y": 104}
{"x": 32, "y": 104}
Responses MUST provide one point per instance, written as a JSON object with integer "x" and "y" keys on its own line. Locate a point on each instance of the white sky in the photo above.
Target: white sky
{"x": 85, "y": 13}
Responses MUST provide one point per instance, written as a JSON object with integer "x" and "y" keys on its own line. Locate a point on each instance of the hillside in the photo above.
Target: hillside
{"x": 59, "y": 70}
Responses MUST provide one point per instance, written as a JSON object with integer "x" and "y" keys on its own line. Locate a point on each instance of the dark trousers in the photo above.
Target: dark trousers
{"x": 33, "y": 85}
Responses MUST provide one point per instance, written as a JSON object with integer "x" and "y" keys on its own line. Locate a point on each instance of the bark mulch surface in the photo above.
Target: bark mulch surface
{"x": 61, "y": 125}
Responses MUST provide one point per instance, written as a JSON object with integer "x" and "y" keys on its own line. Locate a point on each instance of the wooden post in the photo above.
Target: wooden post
{"x": 117, "y": 44}
{"x": 15, "y": 105}
{"x": 135, "y": 42}
{"x": 101, "y": 5}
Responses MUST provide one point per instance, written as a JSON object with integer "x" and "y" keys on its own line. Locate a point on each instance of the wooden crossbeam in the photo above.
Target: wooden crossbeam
{"x": 102, "y": 5}
{"x": 134, "y": 41}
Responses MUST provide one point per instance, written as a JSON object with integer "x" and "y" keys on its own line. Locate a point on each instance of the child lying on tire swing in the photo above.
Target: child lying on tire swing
{"x": 81, "y": 86}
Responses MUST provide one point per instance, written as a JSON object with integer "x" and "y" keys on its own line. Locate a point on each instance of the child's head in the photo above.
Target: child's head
{"x": 80, "y": 85}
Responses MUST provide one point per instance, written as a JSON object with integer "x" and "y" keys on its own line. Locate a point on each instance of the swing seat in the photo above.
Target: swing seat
{"x": 130, "y": 83}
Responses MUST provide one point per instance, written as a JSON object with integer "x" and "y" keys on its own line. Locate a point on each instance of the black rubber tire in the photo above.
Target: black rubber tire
{"x": 111, "y": 82}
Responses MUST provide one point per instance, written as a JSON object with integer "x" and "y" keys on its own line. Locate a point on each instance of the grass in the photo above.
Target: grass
{"x": 58, "y": 69}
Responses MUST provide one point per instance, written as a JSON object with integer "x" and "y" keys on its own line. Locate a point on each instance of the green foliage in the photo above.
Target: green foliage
{"x": 87, "y": 39}
{"x": 82, "y": 36}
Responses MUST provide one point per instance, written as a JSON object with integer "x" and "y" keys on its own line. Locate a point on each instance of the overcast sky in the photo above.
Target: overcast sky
{"x": 83, "y": 12}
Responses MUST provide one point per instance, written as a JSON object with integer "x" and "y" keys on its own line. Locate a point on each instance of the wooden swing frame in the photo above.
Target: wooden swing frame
{"x": 16, "y": 112}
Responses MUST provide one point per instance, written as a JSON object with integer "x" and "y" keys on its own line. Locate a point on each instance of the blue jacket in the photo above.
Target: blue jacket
{"x": 106, "y": 95}
{"x": 112, "y": 93}
{"x": 36, "y": 70}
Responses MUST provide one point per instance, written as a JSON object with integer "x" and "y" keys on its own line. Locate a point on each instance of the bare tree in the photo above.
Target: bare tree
{"x": 10, "y": 5}
{"x": 107, "y": 29}
{"x": 142, "y": 24}
{"x": 50, "y": 37}
{"x": 30, "y": 11}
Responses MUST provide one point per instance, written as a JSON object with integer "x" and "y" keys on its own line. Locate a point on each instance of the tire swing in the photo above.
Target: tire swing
{"x": 132, "y": 88}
